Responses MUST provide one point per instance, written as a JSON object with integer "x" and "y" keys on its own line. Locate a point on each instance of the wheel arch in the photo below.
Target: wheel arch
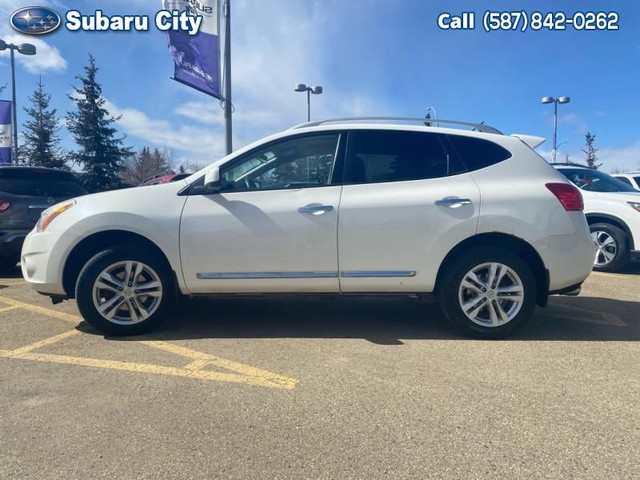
{"x": 593, "y": 218}
{"x": 514, "y": 244}
{"x": 96, "y": 242}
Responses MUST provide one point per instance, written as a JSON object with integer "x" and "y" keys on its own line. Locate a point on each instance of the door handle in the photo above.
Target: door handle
{"x": 316, "y": 209}
{"x": 453, "y": 202}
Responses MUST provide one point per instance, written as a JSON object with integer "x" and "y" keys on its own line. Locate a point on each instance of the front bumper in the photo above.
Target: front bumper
{"x": 40, "y": 264}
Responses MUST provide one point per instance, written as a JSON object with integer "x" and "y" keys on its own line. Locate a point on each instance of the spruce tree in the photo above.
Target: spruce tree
{"x": 41, "y": 141}
{"x": 101, "y": 153}
{"x": 590, "y": 151}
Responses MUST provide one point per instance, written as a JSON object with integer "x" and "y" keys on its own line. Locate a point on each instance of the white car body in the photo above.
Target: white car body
{"x": 615, "y": 208}
{"x": 390, "y": 237}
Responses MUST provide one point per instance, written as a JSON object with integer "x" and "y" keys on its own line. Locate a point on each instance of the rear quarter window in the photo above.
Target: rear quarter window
{"x": 379, "y": 156}
{"x": 477, "y": 153}
{"x": 625, "y": 180}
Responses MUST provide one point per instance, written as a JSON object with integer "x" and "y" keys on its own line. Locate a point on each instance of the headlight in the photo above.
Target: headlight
{"x": 51, "y": 213}
{"x": 635, "y": 205}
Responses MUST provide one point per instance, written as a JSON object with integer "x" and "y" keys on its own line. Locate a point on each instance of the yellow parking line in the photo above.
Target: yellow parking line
{"x": 44, "y": 311}
{"x": 18, "y": 352}
{"x": 202, "y": 359}
{"x": 242, "y": 373}
{"x": 6, "y": 309}
{"x": 159, "y": 370}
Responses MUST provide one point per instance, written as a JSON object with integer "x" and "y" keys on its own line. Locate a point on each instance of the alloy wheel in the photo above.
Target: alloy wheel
{"x": 607, "y": 247}
{"x": 491, "y": 294}
{"x": 127, "y": 292}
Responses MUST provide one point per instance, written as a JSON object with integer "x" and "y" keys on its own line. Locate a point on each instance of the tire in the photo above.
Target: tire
{"x": 613, "y": 247}
{"x": 116, "y": 307}
{"x": 490, "y": 317}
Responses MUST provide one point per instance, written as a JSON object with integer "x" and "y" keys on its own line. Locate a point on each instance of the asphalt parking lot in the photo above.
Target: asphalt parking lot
{"x": 342, "y": 388}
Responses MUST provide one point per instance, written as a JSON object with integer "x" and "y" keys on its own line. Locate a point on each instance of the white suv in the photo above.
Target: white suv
{"x": 631, "y": 178}
{"x": 613, "y": 211}
{"x": 339, "y": 207}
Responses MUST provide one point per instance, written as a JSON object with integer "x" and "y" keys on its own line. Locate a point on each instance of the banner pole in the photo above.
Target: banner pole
{"x": 14, "y": 109}
{"x": 227, "y": 76}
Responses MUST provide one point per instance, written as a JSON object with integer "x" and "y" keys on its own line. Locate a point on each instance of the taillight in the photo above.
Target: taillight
{"x": 4, "y": 205}
{"x": 569, "y": 196}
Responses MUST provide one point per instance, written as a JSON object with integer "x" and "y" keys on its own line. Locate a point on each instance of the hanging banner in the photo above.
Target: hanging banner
{"x": 197, "y": 57}
{"x": 5, "y": 131}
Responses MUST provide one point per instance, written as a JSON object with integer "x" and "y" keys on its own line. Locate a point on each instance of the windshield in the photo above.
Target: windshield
{"x": 595, "y": 181}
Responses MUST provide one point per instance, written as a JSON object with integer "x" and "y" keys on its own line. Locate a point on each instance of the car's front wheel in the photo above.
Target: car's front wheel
{"x": 124, "y": 290}
{"x": 488, "y": 293}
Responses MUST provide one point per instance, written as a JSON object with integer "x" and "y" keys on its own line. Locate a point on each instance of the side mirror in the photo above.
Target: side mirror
{"x": 212, "y": 180}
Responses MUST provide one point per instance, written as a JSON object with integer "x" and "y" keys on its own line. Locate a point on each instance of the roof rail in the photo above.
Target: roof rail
{"x": 569, "y": 164}
{"x": 480, "y": 127}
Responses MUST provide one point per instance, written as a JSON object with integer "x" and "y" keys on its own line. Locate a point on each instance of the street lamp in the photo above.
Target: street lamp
{"x": 301, "y": 87}
{"x": 555, "y": 101}
{"x": 24, "y": 49}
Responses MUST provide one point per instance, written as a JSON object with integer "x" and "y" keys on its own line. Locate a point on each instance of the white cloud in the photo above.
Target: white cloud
{"x": 625, "y": 158}
{"x": 47, "y": 58}
{"x": 201, "y": 142}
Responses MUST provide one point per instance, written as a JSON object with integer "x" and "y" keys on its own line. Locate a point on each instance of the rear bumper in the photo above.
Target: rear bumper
{"x": 568, "y": 258}
{"x": 571, "y": 291}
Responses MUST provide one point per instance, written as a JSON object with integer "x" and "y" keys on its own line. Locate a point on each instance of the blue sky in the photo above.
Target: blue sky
{"x": 372, "y": 57}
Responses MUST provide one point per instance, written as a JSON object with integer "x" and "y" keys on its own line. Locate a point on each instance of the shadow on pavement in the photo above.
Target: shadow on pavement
{"x": 386, "y": 321}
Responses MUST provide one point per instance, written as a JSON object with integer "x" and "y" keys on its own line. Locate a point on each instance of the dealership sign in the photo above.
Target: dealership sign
{"x": 192, "y": 27}
{"x": 186, "y": 17}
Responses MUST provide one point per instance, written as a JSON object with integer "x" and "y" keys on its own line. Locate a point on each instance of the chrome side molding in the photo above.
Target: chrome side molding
{"x": 274, "y": 275}
{"x": 378, "y": 273}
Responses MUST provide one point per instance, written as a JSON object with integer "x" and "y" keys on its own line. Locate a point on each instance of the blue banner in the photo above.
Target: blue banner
{"x": 5, "y": 131}
{"x": 197, "y": 57}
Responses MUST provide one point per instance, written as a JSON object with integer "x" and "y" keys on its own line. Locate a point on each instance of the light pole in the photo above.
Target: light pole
{"x": 317, "y": 90}
{"x": 555, "y": 101}
{"x": 25, "y": 49}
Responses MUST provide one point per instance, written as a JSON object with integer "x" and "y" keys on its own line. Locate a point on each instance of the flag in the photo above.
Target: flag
{"x": 5, "y": 131}
{"x": 197, "y": 57}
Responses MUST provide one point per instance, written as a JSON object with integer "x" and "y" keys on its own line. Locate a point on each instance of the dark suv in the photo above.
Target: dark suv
{"x": 25, "y": 192}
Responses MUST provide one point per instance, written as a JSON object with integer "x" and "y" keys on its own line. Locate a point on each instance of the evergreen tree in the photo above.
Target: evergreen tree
{"x": 101, "y": 153}
{"x": 41, "y": 141}
{"x": 590, "y": 151}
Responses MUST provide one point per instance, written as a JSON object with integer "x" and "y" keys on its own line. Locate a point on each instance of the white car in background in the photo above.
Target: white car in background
{"x": 612, "y": 209}
{"x": 631, "y": 178}
{"x": 339, "y": 207}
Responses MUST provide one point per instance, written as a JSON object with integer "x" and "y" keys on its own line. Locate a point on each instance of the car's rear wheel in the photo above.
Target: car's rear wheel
{"x": 488, "y": 293}
{"x": 124, "y": 290}
{"x": 613, "y": 250}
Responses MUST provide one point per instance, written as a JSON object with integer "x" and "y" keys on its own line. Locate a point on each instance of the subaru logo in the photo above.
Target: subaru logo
{"x": 51, "y": 200}
{"x": 35, "y": 20}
